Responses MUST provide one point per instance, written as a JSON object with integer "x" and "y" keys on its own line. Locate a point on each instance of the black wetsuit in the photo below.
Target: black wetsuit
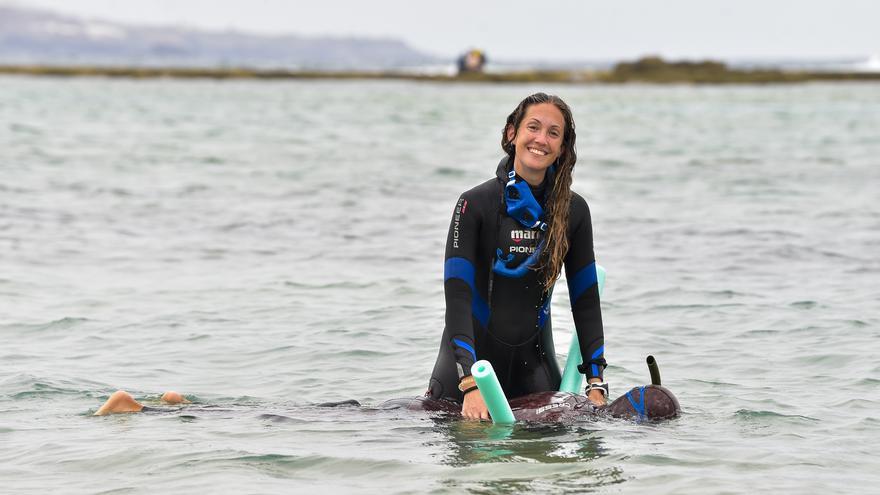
{"x": 502, "y": 318}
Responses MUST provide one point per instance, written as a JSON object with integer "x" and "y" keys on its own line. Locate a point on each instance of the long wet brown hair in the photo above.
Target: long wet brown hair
{"x": 557, "y": 204}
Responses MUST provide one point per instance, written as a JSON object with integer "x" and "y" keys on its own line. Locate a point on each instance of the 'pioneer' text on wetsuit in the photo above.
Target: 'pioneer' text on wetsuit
{"x": 522, "y": 249}
{"x": 456, "y": 220}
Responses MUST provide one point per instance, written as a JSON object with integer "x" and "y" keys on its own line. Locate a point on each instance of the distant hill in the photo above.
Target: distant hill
{"x": 31, "y": 36}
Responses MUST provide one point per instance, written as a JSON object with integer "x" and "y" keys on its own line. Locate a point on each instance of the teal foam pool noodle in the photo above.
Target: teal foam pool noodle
{"x": 491, "y": 391}
{"x": 572, "y": 379}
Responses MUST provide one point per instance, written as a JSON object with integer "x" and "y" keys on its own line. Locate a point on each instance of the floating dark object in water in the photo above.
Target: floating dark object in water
{"x": 341, "y": 403}
{"x": 649, "y": 402}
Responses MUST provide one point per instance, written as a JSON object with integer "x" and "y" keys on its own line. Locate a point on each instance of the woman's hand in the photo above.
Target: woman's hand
{"x": 473, "y": 406}
{"x": 596, "y": 397}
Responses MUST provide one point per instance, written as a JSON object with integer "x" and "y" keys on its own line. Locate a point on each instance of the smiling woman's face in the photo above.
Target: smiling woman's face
{"x": 538, "y": 141}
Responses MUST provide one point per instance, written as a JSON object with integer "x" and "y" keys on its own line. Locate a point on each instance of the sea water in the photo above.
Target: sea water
{"x": 266, "y": 246}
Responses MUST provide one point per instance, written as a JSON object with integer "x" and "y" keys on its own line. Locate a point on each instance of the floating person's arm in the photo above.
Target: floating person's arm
{"x": 123, "y": 402}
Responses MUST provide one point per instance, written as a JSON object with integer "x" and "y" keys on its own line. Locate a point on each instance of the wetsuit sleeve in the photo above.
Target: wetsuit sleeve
{"x": 580, "y": 271}
{"x": 458, "y": 284}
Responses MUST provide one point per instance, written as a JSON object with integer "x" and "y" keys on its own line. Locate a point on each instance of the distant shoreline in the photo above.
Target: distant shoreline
{"x": 650, "y": 70}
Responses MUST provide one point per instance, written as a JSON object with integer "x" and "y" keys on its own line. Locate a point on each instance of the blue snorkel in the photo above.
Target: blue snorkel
{"x": 522, "y": 205}
{"x": 525, "y": 209}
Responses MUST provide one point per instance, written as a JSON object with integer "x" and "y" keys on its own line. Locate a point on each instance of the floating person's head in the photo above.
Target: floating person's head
{"x": 651, "y": 402}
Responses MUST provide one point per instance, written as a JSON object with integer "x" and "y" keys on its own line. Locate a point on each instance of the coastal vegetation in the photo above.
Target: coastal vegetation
{"x": 657, "y": 70}
{"x": 651, "y": 70}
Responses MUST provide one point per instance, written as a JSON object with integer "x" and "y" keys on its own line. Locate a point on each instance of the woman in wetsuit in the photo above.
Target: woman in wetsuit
{"x": 508, "y": 241}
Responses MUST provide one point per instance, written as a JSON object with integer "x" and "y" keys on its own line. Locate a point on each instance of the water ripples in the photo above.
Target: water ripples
{"x": 266, "y": 246}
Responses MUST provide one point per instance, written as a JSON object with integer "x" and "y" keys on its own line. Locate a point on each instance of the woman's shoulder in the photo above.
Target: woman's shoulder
{"x": 579, "y": 204}
{"x": 490, "y": 190}
{"x": 579, "y": 210}
{"x": 485, "y": 191}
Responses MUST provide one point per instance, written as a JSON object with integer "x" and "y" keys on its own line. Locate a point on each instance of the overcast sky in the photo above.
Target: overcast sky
{"x": 549, "y": 29}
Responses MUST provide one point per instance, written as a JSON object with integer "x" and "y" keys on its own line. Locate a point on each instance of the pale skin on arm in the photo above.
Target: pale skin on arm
{"x": 474, "y": 407}
{"x": 123, "y": 402}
